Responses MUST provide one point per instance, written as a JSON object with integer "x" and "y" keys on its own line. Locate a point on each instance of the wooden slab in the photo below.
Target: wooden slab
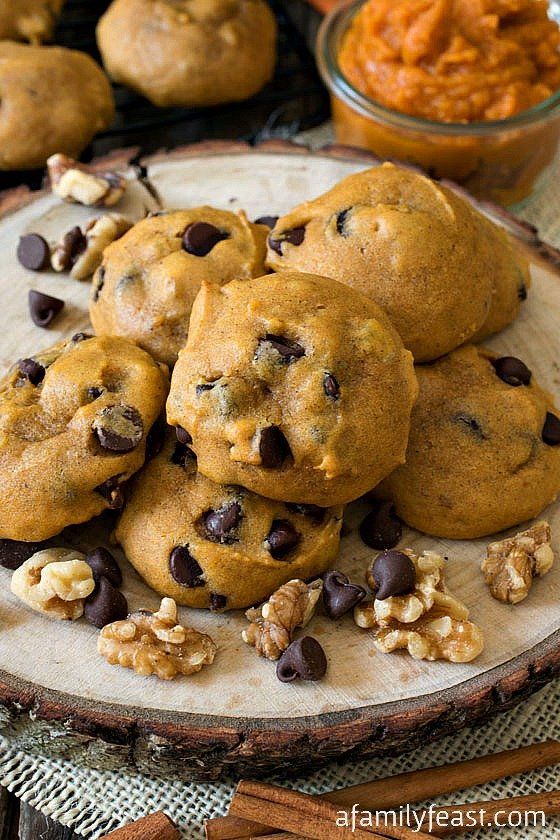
{"x": 58, "y": 696}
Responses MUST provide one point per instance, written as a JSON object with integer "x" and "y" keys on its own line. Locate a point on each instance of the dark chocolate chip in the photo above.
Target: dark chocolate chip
{"x": 80, "y": 336}
{"x": 105, "y": 604}
{"x": 472, "y": 424}
{"x": 203, "y": 387}
{"x": 391, "y": 573}
{"x": 551, "y": 430}
{"x": 13, "y": 553}
{"x": 313, "y": 512}
{"x": 273, "y": 447}
{"x": 268, "y": 221}
{"x": 181, "y": 454}
{"x": 305, "y": 659}
{"x": 98, "y": 283}
{"x": 182, "y": 435}
{"x": 381, "y": 528}
{"x": 32, "y": 371}
{"x": 74, "y": 243}
{"x": 522, "y": 293}
{"x": 94, "y": 392}
{"x": 339, "y": 595}
{"x": 43, "y": 308}
{"x": 217, "y": 602}
{"x": 331, "y": 386}
{"x": 288, "y": 349}
{"x": 341, "y": 221}
{"x": 200, "y": 237}
{"x": 113, "y": 493}
{"x": 33, "y": 252}
{"x": 293, "y": 237}
{"x": 184, "y": 568}
{"x": 512, "y": 371}
{"x": 103, "y": 565}
{"x": 282, "y": 538}
{"x": 118, "y": 428}
{"x": 218, "y": 524}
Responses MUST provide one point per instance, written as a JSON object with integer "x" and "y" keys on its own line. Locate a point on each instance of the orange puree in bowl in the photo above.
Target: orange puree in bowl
{"x": 456, "y": 61}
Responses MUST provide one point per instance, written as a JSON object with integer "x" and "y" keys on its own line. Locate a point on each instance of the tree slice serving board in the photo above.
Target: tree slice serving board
{"x": 58, "y": 696}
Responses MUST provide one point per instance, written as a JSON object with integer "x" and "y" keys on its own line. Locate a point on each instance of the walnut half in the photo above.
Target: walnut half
{"x": 511, "y": 565}
{"x": 273, "y": 623}
{"x": 55, "y": 582}
{"x": 77, "y": 183}
{"x": 154, "y": 643}
{"x": 81, "y": 253}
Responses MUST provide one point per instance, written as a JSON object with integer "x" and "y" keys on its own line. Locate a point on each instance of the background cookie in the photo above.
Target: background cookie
{"x": 73, "y": 426}
{"x": 293, "y": 386}
{"x": 217, "y": 546}
{"x": 189, "y": 52}
{"x": 422, "y": 253}
{"x": 149, "y": 278}
{"x": 29, "y": 20}
{"x": 484, "y": 448}
{"x": 53, "y": 100}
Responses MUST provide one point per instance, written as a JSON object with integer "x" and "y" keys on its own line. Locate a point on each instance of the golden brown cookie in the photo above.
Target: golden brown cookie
{"x": 484, "y": 448}
{"x": 29, "y": 20}
{"x": 149, "y": 278}
{"x": 53, "y": 100}
{"x": 73, "y": 426}
{"x": 293, "y": 386}
{"x": 440, "y": 270}
{"x": 189, "y": 52}
{"x": 219, "y": 546}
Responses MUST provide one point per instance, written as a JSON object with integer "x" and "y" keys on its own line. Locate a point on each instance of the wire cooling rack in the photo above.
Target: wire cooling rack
{"x": 293, "y": 101}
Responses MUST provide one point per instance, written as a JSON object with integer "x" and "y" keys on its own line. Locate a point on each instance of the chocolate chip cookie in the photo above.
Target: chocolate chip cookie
{"x": 214, "y": 545}
{"x": 441, "y": 271}
{"x": 293, "y": 386}
{"x": 53, "y": 100}
{"x": 189, "y": 52}
{"x": 484, "y": 447}
{"x": 29, "y": 20}
{"x": 149, "y": 278}
{"x": 73, "y": 426}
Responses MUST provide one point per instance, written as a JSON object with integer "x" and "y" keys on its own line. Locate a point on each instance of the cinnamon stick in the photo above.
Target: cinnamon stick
{"x": 156, "y": 826}
{"x": 407, "y": 788}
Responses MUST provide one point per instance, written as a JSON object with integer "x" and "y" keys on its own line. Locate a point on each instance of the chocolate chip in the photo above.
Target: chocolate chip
{"x": 314, "y": 512}
{"x": 522, "y": 293}
{"x": 13, "y": 553}
{"x": 331, "y": 386}
{"x": 217, "y": 602}
{"x": 218, "y": 524}
{"x": 341, "y": 221}
{"x": 282, "y": 538}
{"x": 33, "y": 252}
{"x": 293, "y": 237}
{"x": 184, "y": 568}
{"x": 392, "y": 573}
{"x": 181, "y": 454}
{"x": 512, "y": 371}
{"x": 98, "y": 283}
{"x": 273, "y": 447}
{"x": 94, "y": 392}
{"x": 472, "y": 424}
{"x": 551, "y": 430}
{"x": 381, "y": 528}
{"x": 182, "y": 435}
{"x": 203, "y": 387}
{"x": 43, "y": 308}
{"x": 80, "y": 336}
{"x": 113, "y": 493}
{"x": 105, "y": 604}
{"x": 73, "y": 244}
{"x": 118, "y": 428}
{"x": 103, "y": 564}
{"x": 339, "y": 595}
{"x": 305, "y": 659}
{"x": 32, "y": 371}
{"x": 288, "y": 349}
{"x": 268, "y": 221}
{"x": 200, "y": 237}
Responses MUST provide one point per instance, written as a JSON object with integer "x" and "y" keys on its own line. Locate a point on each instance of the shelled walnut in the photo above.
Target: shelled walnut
{"x": 273, "y": 623}
{"x": 154, "y": 643}
{"x": 511, "y": 565}
{"x": 78, "y": 183}
{"x": 55, "y": 582}
{"x": 81, "y": 253}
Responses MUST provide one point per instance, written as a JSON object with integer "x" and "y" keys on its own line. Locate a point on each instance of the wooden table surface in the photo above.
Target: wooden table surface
{"x": 18, "y": 820}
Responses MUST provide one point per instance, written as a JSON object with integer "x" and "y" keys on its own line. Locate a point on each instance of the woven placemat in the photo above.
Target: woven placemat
{"x": 93, "y": 803}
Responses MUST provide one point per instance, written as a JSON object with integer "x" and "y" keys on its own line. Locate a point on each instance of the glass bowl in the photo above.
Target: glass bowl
{"x": 502, "y": 161}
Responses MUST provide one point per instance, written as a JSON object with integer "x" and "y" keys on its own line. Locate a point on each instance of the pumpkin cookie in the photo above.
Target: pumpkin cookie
{"x": 441, "y": 271}
{"x": 73, "y": 426}
{"x": 29, "y": 20}
{"x": 293, "y": 386}
{"x": 219, "y": 546}
{"x": 189, "y": 52}
{"x": 484, "y": 448}
{"x": 149, "y": 278}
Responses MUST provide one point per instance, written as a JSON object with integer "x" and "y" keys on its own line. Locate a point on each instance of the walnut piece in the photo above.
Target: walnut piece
{"x": 273, "y": 623}
{"x": 430, "y": 622}
{"x": 154, "y": 643}
{"x": 511, "y": 565}
{"x": 77, "y": 183}
{"x": 55, "y": 582}
{"x": 82, "y": 253}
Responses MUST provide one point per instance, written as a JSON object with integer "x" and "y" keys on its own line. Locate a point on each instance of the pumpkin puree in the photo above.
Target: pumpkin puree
{"x": 458, "y": 61}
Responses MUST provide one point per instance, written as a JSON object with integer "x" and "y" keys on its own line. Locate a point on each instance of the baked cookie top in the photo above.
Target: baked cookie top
{"x": 293, "y": 386}
{"x": 29, "y": 20}
{"x": 145, "y": 287}
{"x": 73, "y": 426}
